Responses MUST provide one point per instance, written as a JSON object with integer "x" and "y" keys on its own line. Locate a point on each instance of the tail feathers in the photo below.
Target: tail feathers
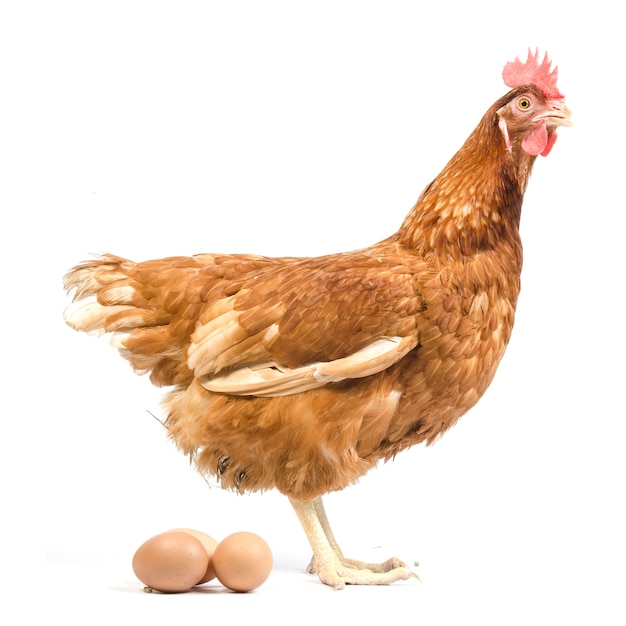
{"x": 108, "y": 297}
{"x": 92, "y": 315}
{"x": 88, "y": 315}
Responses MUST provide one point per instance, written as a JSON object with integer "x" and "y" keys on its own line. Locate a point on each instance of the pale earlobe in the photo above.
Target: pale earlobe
{"x": 505, "y": 132}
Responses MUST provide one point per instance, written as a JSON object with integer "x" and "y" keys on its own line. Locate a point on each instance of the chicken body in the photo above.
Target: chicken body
{"x": 301, "y": 374}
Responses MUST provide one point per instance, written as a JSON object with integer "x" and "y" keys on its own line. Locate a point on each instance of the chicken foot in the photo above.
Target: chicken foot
{"x": 328, "y": 561}
{"x": 320, "y": 510}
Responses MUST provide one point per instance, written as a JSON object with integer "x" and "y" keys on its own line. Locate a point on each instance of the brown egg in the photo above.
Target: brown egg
{"x": 209, "y": 545}
{"x": 172, "y": 561}
{"x": 242, "y": 561}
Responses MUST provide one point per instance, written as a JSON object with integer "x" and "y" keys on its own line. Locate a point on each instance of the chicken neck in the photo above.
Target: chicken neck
{"x": 474, "y": 204}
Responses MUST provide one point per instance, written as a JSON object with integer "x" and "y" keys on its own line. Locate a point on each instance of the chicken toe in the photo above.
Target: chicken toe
{"x": 328, "y": 561}
{"x": 386, "y": 566}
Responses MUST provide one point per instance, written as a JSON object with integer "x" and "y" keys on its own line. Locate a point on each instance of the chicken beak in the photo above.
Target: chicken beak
{"x": 558, "y": 115}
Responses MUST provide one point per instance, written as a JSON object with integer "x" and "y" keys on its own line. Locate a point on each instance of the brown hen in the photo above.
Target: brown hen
{"x": 301, "y": 374}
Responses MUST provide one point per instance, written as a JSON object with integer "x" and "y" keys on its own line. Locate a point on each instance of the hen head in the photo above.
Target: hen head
{"x": 530, "y": 114}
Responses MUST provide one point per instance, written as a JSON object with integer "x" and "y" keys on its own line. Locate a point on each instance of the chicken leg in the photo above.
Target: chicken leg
{"x": 328, "y": 561}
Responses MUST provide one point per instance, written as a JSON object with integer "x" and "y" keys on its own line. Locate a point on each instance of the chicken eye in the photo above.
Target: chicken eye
{"x": 524, "y": 104}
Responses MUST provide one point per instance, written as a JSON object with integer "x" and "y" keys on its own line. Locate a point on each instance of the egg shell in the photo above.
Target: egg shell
{"x": 172, "y": 562}
{"x": 209, "y": 545}
{"x": 242, "y": 561}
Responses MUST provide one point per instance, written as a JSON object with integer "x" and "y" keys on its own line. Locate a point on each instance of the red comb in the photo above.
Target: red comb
{"x": 532, "y": 72}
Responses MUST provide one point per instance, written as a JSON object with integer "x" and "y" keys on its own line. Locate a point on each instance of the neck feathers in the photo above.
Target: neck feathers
{"x": 474, "y": 205}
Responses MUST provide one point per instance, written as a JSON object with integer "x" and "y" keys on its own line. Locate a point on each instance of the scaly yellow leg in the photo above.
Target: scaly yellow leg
{"x": 328, "y": 561}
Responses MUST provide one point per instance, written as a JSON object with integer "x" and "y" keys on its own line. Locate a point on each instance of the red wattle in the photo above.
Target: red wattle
{"x": 546, "y": 150}
{"x": 537, "y": 141}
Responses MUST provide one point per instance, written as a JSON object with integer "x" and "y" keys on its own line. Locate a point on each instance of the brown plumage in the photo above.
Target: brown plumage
{"x": 300, "y": 374}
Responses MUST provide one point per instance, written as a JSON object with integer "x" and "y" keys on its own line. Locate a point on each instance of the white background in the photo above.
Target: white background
{"x": 148, "y": 129}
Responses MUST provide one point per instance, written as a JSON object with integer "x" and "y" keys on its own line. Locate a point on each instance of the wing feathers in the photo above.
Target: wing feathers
{"x": 271, "y": 379}
{"x": 212, "y": 339}
{"x": 250, "y": 325}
